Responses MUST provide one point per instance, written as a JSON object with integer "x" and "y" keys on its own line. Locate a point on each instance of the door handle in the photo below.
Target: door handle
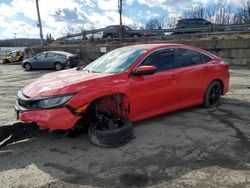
{"x": 173, "y": 76}
{"x": 205, "y": 68}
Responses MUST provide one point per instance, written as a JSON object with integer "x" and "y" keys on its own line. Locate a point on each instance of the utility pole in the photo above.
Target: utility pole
{"x": 120, "y": 6}
{"x": 39, "y": 22}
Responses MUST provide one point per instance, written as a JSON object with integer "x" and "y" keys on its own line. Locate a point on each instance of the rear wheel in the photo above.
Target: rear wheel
{"x": 109, "y": 36}
{"x": 213, "y": 95}
{"x": 27, "y": 67}
{"x": 58, "y": 66}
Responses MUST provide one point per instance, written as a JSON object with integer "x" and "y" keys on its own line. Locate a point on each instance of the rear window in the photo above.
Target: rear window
{"x": 206, "y": 58}
{"x": 188, "y": 57}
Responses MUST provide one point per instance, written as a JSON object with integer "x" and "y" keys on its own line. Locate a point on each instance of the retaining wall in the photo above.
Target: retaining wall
{"x": 235, "y": 51}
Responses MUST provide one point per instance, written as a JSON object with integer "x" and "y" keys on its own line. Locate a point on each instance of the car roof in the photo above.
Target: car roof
{"x": 13, "y": 51}
{"x": 155, "y": 46}
{"x": 171, "y": 45}
{"x": 115, "y": 26}
{"x": 59, "y": 52}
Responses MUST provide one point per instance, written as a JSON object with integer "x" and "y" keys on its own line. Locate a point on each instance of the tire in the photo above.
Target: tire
{"x": 5, "y": 61}
{"x": 27, "y": 67}
{"x": 58, "y": 66}
{"x": 213, "y": 95}
{"x": 113, "y": 137}
{"x": 109, "y": 36}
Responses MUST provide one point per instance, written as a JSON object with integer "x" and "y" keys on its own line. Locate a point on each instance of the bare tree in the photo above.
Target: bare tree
{"x": 172, "y": 21}
{"x": 216, "y": 13}
{"x": 153, "y": 24}
{"x": 196, "y": 12}
{"x": 243, "y": 13}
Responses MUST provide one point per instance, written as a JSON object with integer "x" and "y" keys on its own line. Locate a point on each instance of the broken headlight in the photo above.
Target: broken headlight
{"x": 53, "y": 102}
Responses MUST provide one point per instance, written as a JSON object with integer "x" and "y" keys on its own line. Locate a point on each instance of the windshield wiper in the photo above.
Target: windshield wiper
{"x": 93, "y": 71}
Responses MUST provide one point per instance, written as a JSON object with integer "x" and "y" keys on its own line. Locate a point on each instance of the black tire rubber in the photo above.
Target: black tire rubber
{"x": 5, "y": 61}
{"x": 26, "y": 65}
{"x": 56, "y": 68}
{"x": 207, "y": 97}
{"x": 111, "y": 138}
{"x": 109, "y": 36}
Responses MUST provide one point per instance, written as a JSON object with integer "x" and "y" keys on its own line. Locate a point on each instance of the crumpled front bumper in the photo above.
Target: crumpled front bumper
{"x": 52, "y": 119}
{"x": 58, "y": 118}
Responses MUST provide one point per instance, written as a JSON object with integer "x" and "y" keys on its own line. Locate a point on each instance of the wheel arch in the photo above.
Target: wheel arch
{"x": 218, "y": 80}
{"x": 25, "y": 63}
{"x": 106, "y": 98}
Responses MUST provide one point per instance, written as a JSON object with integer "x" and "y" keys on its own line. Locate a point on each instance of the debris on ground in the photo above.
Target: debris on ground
{"x": 16, "y": 132}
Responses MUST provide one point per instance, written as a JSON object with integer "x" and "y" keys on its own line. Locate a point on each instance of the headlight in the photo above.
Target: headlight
{"x": 53, "y": 102}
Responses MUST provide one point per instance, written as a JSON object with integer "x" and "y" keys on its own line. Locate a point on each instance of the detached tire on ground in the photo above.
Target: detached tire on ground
{"x": 112, "y": 137}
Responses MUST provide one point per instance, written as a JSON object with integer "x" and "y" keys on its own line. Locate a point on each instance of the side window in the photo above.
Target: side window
{"x": 51, "y": 55}
{"x": 126, "y": 28}
{"x": 206, "y": 58}
{"x": 41, "y": 56}
{"x": 162, "y": 60}
{"x": 188, "y": 57}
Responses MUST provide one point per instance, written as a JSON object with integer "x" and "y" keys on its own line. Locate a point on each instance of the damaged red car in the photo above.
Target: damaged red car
{"x": 125, "y": 85}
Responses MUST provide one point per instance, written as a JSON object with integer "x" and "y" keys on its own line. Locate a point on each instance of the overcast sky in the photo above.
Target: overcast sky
{"x": 60, "y": 16}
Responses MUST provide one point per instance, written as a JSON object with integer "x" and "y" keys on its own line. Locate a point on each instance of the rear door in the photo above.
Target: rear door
{"x": 51, "y": 59}
{"x": 152, "y": 94}
{"x": 191, "y": 76}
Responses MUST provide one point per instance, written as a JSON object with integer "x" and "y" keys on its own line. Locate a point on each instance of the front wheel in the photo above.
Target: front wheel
{"x": 4, "y": 61}
{"x": 109, "y": 36}
{"x": 27, "y": 66}
{"x": 213, "y": 95}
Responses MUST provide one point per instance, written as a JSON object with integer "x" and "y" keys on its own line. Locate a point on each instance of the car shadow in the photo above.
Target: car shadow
{"x": 167, "y": 148}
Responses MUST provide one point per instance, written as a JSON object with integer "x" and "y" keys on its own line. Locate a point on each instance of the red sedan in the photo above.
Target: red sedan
{"x": 136, "y": 82}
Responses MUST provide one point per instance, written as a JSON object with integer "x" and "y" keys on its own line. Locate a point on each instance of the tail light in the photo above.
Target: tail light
{"x": 69, "y": 59}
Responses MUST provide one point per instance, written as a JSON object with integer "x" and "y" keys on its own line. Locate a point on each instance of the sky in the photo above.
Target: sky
{"x": 18, "y": 18}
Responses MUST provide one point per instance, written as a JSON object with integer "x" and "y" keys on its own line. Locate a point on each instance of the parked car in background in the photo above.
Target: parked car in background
{"x": 130, "y": 83}
{"x": 194, "y": 23}
{"x": 113, "y": 31}
{"x": 149, "y": 34}
{"x": 97, "y": 35}
{"x": 57, "y": 60}
{"x": 13, "y": 56}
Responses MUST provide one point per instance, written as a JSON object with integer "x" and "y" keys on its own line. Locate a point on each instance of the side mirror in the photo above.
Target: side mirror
{"x": 144, "y": 70}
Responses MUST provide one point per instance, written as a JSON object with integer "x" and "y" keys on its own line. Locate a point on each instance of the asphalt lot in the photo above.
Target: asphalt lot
{"x": 195, "y": 147}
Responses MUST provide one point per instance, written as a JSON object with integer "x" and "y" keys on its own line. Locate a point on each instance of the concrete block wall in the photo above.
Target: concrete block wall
{"x": 235, "y": 51}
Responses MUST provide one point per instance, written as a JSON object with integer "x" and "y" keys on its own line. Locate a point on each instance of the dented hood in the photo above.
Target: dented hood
{"x": 64, "y": 82}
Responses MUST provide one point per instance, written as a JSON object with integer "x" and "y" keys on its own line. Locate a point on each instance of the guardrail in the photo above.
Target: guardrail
{"x": 164, "y": 33}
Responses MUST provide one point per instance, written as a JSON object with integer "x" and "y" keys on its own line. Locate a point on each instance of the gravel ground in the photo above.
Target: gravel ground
{"x": 195, "y": 147}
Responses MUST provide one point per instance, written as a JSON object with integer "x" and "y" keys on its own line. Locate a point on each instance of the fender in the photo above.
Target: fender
{"x": 90, "y": 94}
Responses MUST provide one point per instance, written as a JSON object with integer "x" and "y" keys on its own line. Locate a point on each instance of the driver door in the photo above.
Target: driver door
{"x": 39, "y": 60}
{"x": 153, "y": 94}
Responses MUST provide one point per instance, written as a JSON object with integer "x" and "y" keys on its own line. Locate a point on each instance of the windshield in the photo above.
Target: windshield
{"x": 115, "y": 61}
